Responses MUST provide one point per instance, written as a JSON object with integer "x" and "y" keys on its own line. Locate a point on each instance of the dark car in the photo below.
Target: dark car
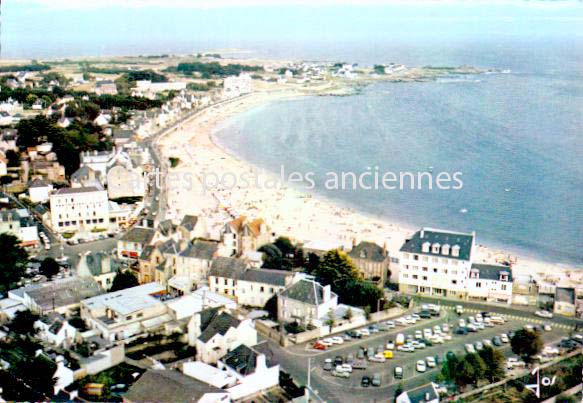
{"x": 461, "y": 330}
{"x": 425, "y": 314}
{"x": 496, "y": 341}
{"x": 438, "y": 359}
{"x": 354, "y": 335}
{"x": 486, "y": 314}
{"x": 365, "y": 382}
{"x": 338, "y": 360}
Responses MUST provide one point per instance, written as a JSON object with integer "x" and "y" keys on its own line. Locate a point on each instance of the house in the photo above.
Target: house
{"x": 97, "y": 160}
{"x": 436, "y": 262}
{"x": 56, "y": 330}
{"x": 240, "y": 235}
{"x": 203, "y": 298}
{"x": 39, "y": 191}
{"x": 215, "y": 332}
{"x": 228, "y": 270}
{"x": 252, "y": 367}
{"x": 248, "y": 286}
{"x": 491, "y": 283}
{"x": 79, "y": 209}
{"x": 19, "y": 223}
{"x": 124, "y": 182}
{"x": 565, "y": 301}
{"x": 192, "y": 227}
{"x": 171, "y": 385}
{"x": 235, "y": 86}
{"x": 372, "y": 261}
{"x": 122, "y": 314}
{"x": 64, "y": 122}
{"x": 105, "y": 87}
{"x": 193, "y": 263}
{"x": 8, "y": 140}
{"x": 98, "y": 265}
{"x": 305, "y": 301}
{"x": 423, "y": 394}
{"x": 132, "y": 243}
{"x": 3, "y": 165}
{"x": 84, "y": 176}
{"x": 6, "y": 118}
{"x": 102, "y": 120}
{"x": 61, "y": 295}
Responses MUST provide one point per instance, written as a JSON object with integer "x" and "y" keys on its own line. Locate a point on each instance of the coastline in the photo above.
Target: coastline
{"x": 288, "y": 211}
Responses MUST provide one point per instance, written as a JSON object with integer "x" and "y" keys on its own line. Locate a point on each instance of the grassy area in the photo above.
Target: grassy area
{"x": 121, "y": 374}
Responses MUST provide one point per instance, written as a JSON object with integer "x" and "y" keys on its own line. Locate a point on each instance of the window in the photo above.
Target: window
{"x": 424, "y": 278}
{"x": 479, "y": 284}
{"x": 405, "y": 256}
{"x": 454, "y": 281}
{"x": 434, "y": 270}
{"x": 216, "y": 280}
{"x": 226, "y": 282}
{"x": 503, "y": 287}
{"x": 415, "y": 257}
{"x": 425, "y": 269}
{"x": 271, "y": 290}
{"x": 425, "y": 259}
{"x": 262, "y": 289}
{"x": 415, "y": 276}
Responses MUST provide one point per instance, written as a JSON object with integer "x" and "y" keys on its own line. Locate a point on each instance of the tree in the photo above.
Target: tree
{"x": 13, "y": 158}
{"x": 526, "y": 343}
{"x": 313, "y": 263}
{"x": 449, "y": 367}
{"x": 123, "y": 280}
{"x": 13, "y": 262}
{"x": 331, "y": 321}
{"x": 399, "y": 389}
{"x": 272, "y": 256}
{"x": 348, "y": 315}
{"x": 367, "y": 312}
{"x": 23, "y": 323}
{"x": 336, "y": 268}
{"x": 49, "y": 267}
{"x": 469, "y": 370}
{"x": 494, "y": 361}
{"x": 38, "y": 373}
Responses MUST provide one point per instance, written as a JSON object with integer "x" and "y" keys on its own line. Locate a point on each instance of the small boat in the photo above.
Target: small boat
{"x": 507, "y": 189}
{"x": 430, "y": 169}
{"x": 464, "y": 210}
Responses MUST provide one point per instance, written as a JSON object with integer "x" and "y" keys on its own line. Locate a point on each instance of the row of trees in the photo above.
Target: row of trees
{"x": 487, "y": 364}
{"x": 208, "y": 70}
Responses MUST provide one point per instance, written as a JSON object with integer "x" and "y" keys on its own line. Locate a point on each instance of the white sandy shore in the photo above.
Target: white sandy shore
{"x": 286, "y": 210}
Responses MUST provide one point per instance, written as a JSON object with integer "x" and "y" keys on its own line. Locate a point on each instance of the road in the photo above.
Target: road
{"x": 294, "y": 359}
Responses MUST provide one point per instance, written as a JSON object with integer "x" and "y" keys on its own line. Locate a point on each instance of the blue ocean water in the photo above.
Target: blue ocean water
{"x": 516, "y": 138}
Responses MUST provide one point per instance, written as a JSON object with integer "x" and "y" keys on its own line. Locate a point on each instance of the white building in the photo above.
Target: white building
{"x": 436, "y": 262}
{"x": 306, "y": 301}
{"x": 19, "y": 223}
{"x": 235, "y": 86}
{"x": 423, "y": 394}
{"x": 75, "y": 209}
{"x": 39, "y": 191}
{"x": 56, "y": 330}
{"x": 491, "y": 283}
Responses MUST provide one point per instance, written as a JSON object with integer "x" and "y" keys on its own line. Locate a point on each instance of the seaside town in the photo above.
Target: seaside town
{"x": 121, "y": 282}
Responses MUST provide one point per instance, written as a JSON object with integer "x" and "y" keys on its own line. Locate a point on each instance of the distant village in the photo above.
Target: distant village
{"x": 206, "y": 299}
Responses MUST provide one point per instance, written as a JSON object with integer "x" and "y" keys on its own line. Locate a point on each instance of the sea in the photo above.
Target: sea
{"x": 516, "y": 137}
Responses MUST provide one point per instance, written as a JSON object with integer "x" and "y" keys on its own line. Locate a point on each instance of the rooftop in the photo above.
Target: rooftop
{"x": 440, "y": 237}
{"x": 227, "y": 267}
{"x": 64, "y": 191}
{"x": 306, "y": 290}
{"x": 63, "y": 292}
{"x": 129, "y": 300}
{"x": 492, "y": 272}
{"x": 368, "y": 251}
{"x": 219, "y": 323}
{"x": 139, "y": 235}
{"x": 201, "y": 249}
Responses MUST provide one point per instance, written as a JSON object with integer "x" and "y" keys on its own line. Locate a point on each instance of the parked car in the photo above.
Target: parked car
{"x": 353, "y": 334}
{"x": 445, "y": 328}
{"x": 360, "y": 354}
{"x": 436, "y": 329}
{"x": 390, "y": 324}
{"x": 420, "y": 366}
{"x": 547, "y": 328}
{"x": 497, "y": 320}
{"x": 544, "y": 314}
{"x": 479, "y": 346}
{"x": 431, "y": 362}
{"x": 328, "y": 364}
{"x": 365, "y": 382}
{"x": 398, "y": 373}
{"x": 390, "y": 345}
{"x": 406, "y": 348}
{"x": 376, "y": 380}
{"x": 337, "y": 340}
{"x": 470, "y": 348}
{"x": 471, "y": 328}
{"x": 425, "y": 314}
{"x": 496, "y": 341}
{"x": 341, "y": 374}
{"x": 320, "y": 346}
{"x": 370, "y": 352}
{"x": 459, "y": 309}
{"x": 514, "y": 362}
{"x": 373, "y": 329}
{"x": 359, "y": 364}
{"x": 461, "y": 330}
{"x": 338, "y": 360}
{"x": 346, "y": 337}
{"x": 377, "y": 358}
{"x": 504, "y": 338}
{"x": 388, "y": 354}
{"x": 349, "y": 359}
{"x": 462, "y": 323}
{"x": 418, "y": 334}
{"x": 364, "y": 332}
{"x": 487, "y": 343}
{"x": 400, "y": 340}
{"x": 345, "y": 368}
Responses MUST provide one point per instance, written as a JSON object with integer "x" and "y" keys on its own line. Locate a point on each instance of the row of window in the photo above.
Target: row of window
{"x": 424, "y": 278}
{"x": 92, "y": 221}
{"x": 433, "y": 259}
{"x": 233, "y": 283}
{"x": 434, "y": 270}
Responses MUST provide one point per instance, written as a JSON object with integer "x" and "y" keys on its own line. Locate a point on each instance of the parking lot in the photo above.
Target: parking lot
{"x": 351, "y": 389}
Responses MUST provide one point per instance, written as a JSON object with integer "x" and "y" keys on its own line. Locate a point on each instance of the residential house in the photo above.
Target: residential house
{"x": 39, "y": 191}
{"x": 166, "y": 385}
{"x": 6, "y": 118}
{"x": 79, "y": 209}
{"x": 491, "y": 283}
{"x": 84, "y": 176}
{"x": 436, "y": 262}
{"x": 105, "y": 87}
{"x": 192, "y": 227}
{"x": 122, "y": 314}
{"x": 98, "y": 265}
{"x": 227, "y": 270}
{"x": 132, "y": 243}
{"x": 565, "y": 301}
{"x": 234, "y": 86}
{"x": 8, "y": 140}
{"x": 61, "y": 295}
{"x": 19, "y": 223}
{"x": 423, "y": 394}
{"x": 56, "y": 330}
{"x": 240, "y": 235}
{"x": 124, "y": 182}
{"x": 253, "y": 368}
{"x": 372, "y": 261}
{"x": 306, "y": 301}
{"x": 192, "y": 264}
{"x": 215, "y": 332}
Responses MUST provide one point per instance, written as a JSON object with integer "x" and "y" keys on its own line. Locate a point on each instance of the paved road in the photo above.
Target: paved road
{"x": 295, "y": 359}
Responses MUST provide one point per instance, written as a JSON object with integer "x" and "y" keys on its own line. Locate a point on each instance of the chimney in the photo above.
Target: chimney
{"x": 261, "y": 362}
{"x": 427, "y": 397}
{"x": 422, "y": 234}
{"x": 326, "y": 293}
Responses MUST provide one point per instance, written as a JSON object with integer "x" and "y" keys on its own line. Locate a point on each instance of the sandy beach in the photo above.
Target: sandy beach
{"x": 192, "y": 189}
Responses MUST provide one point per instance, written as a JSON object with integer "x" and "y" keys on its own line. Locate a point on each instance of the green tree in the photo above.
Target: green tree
{"x": 478, "y": 365}
{"x": 313, "y": 263}
{"x": 123, "y": 280}
{"x": 38, "y": 373}
{"x": 336, "y": 268}
{"x": 13, "y": 158}
{"x": 527, "y": 344}
{"x": 449, "y": 367}
{"x": 23, "y": 323}
{"x": 331, "y": 321}
{"x": 49, "y": 267}
{"x": 272, "y": 256}
{"x": 495, "y": 363}
{"x": 465, "y": 373}
{"x": 13, "y": 262}
{"x": 367, "y": 312}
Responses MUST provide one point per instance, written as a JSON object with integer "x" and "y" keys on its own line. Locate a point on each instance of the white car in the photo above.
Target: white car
{"x": 504, "y": 338}
{"x": 549, "y": 350}
{"x": 364, "y": 332}
{"x": 345, "y": 368}
{"x": 497, "y": 320}
{"x": 446, "y": 337}
{"x": 337, "y": 340}
{"x": 436, "y": 329}
{"x": 445, "y": 328}
{"x": 437, "y": 339}
{"x": 514, "y": 362}
{"x": 431, "y": 362}
{"x": 390, "y": 324}
{"x": 479, "y": 318}
{"x": 462, "y": 323}
{"x": 544, "y": 314}
{"x": 418, "y": 334}
{"x": 470, "y": 348}
{"x": 406, "y": 348}
{"x": 427, "y": 333}
{"x": 410, "y": 320}
{"x": 341, "y": 374}
{"x": 487, "y": 342}
{"x": 329, "y": 341}
{"x": 378, "y": 358}
{"x": 547, "y": 328}
{"x": 390, "y": 345}
{"x": 420, "y": 366}
{"x": 402, "y": 322}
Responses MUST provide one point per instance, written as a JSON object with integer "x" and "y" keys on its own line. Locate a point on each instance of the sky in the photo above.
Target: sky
{"x": 58, "y": 28}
